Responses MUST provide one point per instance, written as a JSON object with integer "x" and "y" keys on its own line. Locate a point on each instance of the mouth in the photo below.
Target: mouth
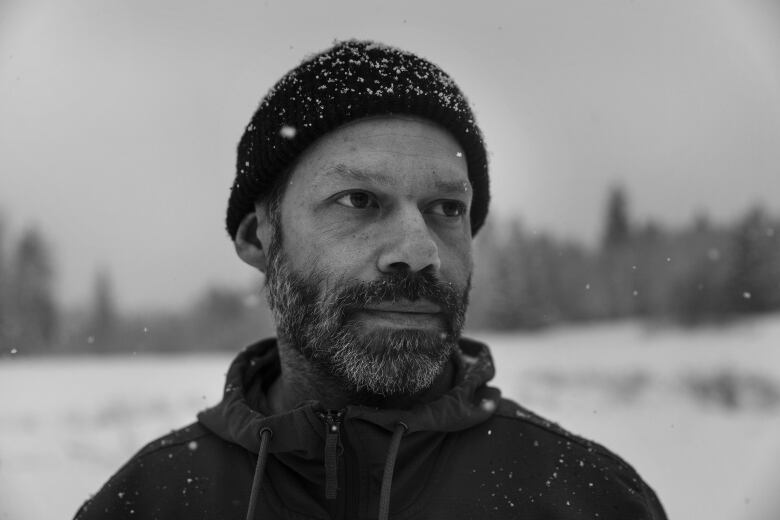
{"x": 402, "y": 314}
{"x": 404, "y": 307}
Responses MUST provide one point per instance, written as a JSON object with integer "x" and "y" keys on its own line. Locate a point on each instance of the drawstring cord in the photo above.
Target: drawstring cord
{"x": 257, "y": 482}
{"x": 387, "y": 477}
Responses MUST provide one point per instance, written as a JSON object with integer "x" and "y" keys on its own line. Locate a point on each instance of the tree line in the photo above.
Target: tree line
{"x": 703, "y": 273}
{"x": 32, "y": 321}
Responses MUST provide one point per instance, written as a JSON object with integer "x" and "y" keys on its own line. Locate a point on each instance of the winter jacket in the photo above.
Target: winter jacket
{"x": 468, "y": 454}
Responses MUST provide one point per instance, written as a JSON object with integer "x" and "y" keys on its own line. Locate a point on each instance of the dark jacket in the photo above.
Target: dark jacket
{"x": 469, "y": 454}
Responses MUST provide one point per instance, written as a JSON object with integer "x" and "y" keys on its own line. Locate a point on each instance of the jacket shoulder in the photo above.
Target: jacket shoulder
{"x": 519, "y": 416}
{"x": 184, "y": 436}
{"x": 517, "y": 419}
{"x": 166, "y": 477}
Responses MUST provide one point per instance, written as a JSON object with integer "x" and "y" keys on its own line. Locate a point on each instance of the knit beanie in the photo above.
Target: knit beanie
{"x": 351, "y": 80}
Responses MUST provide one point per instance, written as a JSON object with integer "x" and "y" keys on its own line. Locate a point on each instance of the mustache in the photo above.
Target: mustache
{"x": 402, "y": 285}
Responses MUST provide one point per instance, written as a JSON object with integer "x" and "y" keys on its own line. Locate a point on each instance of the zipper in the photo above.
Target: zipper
{"x": 332, "y": 420}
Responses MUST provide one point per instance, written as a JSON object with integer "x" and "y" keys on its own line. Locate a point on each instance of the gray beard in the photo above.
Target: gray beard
{"x": 317, "y": 321}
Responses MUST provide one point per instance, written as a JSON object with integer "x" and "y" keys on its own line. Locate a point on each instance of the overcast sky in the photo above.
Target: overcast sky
{"x": 119, "y": 119}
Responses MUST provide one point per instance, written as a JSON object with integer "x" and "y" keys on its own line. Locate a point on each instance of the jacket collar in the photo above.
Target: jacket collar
{"x": 239, "y": 419}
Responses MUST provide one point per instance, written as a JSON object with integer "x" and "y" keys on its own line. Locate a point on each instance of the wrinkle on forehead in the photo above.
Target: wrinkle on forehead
{"x": 363, "y": 175}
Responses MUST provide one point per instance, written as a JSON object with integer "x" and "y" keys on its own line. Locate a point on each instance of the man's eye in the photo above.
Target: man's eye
{"x": 358, "y": 200}
{"x": 449, "y": 208}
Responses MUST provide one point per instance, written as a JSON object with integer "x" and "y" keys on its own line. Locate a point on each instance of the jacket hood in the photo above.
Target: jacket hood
{"x": 240, "y": 416}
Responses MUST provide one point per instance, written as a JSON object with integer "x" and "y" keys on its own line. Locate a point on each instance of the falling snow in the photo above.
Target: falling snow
{"x": 489, "y": 405}
{"x": 288, "y": 132}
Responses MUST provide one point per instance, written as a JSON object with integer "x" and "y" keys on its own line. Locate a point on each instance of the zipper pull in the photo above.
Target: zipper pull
{"x": 332, "y": 431}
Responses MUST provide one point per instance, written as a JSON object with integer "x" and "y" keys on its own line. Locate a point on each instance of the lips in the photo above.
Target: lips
{"x": 405, "y": 307}
{"x": 401, "y": 314}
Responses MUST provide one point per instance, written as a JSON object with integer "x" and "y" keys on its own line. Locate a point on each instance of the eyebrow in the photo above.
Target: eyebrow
{"x": 348, "y": 173}
{"x": 345, "y": 172}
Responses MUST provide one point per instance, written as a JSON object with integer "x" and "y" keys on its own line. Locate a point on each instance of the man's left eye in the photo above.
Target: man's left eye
{"x": 449, "y": 208}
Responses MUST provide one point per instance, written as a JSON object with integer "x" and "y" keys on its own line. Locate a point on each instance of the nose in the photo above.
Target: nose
{"x": 409, "y": 245}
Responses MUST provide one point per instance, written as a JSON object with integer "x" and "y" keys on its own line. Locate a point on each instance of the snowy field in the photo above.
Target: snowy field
{"x": 697, "y": 413}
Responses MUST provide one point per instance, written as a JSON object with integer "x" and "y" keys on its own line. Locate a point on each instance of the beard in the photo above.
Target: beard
{"x": 320, "y": 322}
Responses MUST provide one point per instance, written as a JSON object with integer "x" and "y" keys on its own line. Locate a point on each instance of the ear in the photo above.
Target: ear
{"x": 252, "y": 238}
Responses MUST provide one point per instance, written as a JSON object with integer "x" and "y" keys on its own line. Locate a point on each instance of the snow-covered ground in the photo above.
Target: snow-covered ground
{"x": 697, "y": 413}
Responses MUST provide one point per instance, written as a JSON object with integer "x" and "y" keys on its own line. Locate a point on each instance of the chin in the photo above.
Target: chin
{"x": 390, "y": 361}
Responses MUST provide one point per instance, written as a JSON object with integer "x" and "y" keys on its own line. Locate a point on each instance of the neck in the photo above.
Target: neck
{"x": 300, "y": 381}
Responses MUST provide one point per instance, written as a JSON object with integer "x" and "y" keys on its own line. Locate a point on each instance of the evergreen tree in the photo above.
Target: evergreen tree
{"x": 104, "y": 313}
{"x": 755, "y": 278}
{"x": 617, "y": 230}
{"x": 33, "y": 309}
{"x": 4, "y": 288}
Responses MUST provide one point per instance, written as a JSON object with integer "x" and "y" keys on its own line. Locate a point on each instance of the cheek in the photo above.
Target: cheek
{"x": 332, "y": 252}
{"x": 457, "y": 262}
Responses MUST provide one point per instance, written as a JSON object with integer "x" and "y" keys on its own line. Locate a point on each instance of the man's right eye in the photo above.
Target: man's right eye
{"x": 358, "y": 200}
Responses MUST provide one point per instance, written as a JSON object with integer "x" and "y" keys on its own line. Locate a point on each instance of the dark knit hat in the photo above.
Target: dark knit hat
{"x": 351, "y": 80}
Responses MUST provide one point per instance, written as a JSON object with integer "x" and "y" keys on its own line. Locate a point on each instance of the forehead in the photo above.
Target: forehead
{"x": 395, "y": 150}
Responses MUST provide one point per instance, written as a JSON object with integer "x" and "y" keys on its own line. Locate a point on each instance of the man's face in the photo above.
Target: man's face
{"x": 370, "y": 260}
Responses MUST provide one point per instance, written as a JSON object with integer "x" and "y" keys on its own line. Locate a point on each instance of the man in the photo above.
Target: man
{"x": 360, "y": 183}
